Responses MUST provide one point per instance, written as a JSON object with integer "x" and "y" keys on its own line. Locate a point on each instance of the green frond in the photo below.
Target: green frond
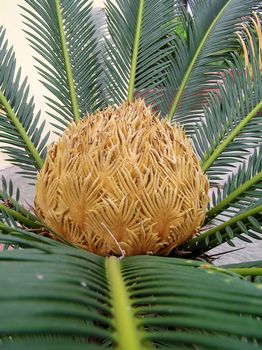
{"x": 232, "y": 124}
{"x": 15, "y": 216}
{"x": 137, "y": 48}
{"x": 63, "y": 35}
{"x": 56, "y": 296}
{"x": 249, "y": 264}
{"x": 196, "y": 66}
{"x": 8, "y": 190}
{"x": 240, "y": 188}
{"x": 21, "y": 134}
{"x": 244, "y": 223}
{"x": 12, "y": 214}
{"x": 7, "y": 199}
{"x": 251, "y": 271}
{"x": 52, "y": 294}
{"x": 246, "y": 271}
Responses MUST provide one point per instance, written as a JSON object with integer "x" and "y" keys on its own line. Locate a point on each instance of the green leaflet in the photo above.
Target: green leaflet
{"x": 20, "y": 129}
{"x": 69, "y": 296}
{"x": 21, "y": 134}
{"x": 237, "y": 226}
{"x": 199, "y": 59}
{"x": 137, "y": 49}
{"x": 63, "y": 35}
{"x": 231, "y": 137}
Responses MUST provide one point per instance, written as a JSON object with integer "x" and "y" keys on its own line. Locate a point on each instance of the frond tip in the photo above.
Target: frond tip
{"x": 123, "y": 176}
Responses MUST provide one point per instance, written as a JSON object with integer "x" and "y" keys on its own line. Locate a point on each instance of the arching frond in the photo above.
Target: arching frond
{"x": 251, "y": 271}
{"x": 137, "y": 48}
{"x": 233, "y": 121}
{"x": 62, "y": 33}
{"x": 240, "y": 188}
{"x": 21, "y": 133}
{"x": 197, "y": 62}
{"x": 56, "y": 295}
{"x": 241, "y": 223}
{"x": 9, "y": 203}
{"x": 12, "y": 214}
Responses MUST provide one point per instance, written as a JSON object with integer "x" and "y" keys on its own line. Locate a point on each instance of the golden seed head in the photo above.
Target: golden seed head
{"x": 122, "y": 179}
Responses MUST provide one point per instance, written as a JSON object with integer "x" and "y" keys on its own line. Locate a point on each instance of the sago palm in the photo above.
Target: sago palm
{"x": 158, "y": 160}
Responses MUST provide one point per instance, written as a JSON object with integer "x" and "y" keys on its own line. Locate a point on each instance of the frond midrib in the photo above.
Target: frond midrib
{"x": 186, "y": 77}
{"x": 127, "y": 334}
{"x": 234, "y": 195}
{"x": 196, "y": 242}
{"x": 68, "y": 66}
{"x": 234, "y": 133}
{"x": 23, "y": 134}
{"x": 131, "y": 85}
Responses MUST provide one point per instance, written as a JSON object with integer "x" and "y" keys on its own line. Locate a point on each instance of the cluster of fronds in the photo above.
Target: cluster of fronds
{"x": 207, "y": 79}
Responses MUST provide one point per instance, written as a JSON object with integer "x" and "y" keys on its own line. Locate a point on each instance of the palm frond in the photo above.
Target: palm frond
{"x": 49, "y": 297}
{"x": 14, "y": 218}
{"x": 21, "y": 134}
{"x": 210, "y": 37}
{"x": 12, "y": 214}
{"x": 232, "y": 123}
{"x": 8, "y": 190}
{"x": 241, "y": 187}
{"x": 249, "y": 264}
{"x": 245, "y": 223}
{"x": 137, "y": 48}
{"x": 251, "y": 271}
{"x": 62, "y": 33}
{"x": 10, "y": 201}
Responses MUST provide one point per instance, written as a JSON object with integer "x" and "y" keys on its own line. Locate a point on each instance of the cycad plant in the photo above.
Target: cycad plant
{"x": 159, "y": 159}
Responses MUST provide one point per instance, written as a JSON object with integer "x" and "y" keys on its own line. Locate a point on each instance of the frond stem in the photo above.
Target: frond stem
{"x": 20, "y": 218}
{"x": 186, "y": 77}
{"x": 19, "y": 127}
{"x": 19, "y": 208}
{"x": 131, "y": 86}
{"x": 127, "y": 334}
{"x": 221, "y": 147}
{"x": 68, "y": 66}
{"x": 246, "y": 271}
{"x": 10, "y": 229}
{"x": 225, "y": 203}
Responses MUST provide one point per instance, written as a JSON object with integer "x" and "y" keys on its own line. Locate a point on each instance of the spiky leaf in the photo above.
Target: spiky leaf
{"x": 137, "y": 49}
{"x": 56, "y": 295}
{"x": 210, "y": 36}
{"x": 21, "y": 133}
{"x": 62, "y": 32}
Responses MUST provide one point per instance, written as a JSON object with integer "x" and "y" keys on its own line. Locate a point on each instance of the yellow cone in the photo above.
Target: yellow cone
{"x": 122, "y": 180}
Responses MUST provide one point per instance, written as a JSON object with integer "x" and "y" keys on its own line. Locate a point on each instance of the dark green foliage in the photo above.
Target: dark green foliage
{"x": 189, "y": 66}
{"x": 44, "y": 35}
{"x": 20, "y": 128}
{"x": 64, "y": 295}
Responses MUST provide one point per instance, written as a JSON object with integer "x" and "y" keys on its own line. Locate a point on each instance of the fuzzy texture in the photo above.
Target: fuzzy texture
{"x": 123, "y": 178}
